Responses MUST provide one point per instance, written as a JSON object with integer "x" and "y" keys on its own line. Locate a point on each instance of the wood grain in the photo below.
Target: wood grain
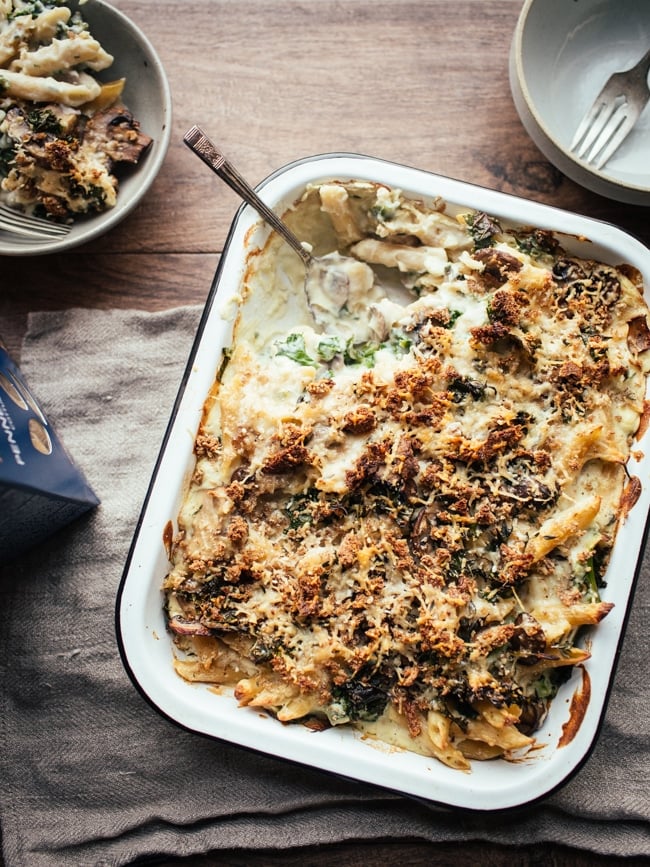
{"x": 420, "y": 82}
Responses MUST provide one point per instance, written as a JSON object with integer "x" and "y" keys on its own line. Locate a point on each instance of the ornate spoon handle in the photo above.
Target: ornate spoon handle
{"x": 198, "y": 142}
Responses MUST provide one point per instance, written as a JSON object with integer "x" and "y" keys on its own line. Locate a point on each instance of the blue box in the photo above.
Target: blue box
{"x": 41, "y": 489}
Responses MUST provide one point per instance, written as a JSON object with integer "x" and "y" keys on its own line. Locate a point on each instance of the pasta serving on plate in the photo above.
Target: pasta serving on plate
{"x": 408, "y": 484}
{"x": 62, "y": 131}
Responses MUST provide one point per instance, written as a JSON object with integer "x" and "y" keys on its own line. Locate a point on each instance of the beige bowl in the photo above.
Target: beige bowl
{"x": 562, "y": 54}
{"x": 146, "y": 94}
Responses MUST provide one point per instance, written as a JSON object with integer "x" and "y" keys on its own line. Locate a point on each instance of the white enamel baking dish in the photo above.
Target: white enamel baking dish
{"x": 570, "y": 730}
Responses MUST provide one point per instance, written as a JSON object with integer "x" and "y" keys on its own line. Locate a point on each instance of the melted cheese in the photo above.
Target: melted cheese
{"x": 403, "y": 508}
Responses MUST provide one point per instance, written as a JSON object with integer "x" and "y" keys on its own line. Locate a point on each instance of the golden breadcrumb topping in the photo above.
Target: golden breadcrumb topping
{"x": 410, "y": 474}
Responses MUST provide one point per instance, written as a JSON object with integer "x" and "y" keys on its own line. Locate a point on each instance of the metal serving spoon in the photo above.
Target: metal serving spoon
{"x": 327, "y": 278}
{"x": 198, "y": 142}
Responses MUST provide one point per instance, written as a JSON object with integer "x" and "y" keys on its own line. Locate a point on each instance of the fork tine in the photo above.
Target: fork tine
{"x": 608, "y": 131}
{"x": 30, "y": 220}
{"x": 613, "y": 136}
{"x": 589, "y": 117}
{"x": 15, "y": 229}
{"x": 12, "y": 220}
{"x": 602, "y": 116}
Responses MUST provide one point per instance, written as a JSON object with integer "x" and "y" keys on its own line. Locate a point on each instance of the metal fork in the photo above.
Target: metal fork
{"x": 613, "y": 114}
{"x": 17, "y": 223}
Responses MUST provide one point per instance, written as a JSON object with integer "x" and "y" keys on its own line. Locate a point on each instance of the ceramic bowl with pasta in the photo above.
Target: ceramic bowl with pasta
{"x": 381, "y": 532}
{"x": 85, "y": 112}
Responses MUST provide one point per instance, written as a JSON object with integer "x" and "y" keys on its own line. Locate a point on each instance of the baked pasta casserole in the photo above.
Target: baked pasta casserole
{"x": 409, "y": 475}
{"x": 64, "y": 134}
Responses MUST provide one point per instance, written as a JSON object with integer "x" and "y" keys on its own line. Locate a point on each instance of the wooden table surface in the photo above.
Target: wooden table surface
{"x": 421, "y": 82}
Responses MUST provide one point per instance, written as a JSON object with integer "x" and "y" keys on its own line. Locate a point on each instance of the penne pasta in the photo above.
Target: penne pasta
{"x": 562, "y": 526}
{"x": 62, "y": 130}
{"x": 22, "y": 85}
{"x": 401, "y": 519}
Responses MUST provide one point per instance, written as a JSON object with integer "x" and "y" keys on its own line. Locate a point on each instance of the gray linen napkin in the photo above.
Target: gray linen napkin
{"x": 91, "y": 774}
